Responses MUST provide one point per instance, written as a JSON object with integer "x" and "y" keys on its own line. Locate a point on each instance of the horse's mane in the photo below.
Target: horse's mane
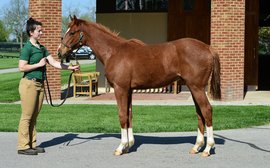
{"x": 108, "y": 31}
{"x": 100, "y": 27}
{"x": 105, "y": 29}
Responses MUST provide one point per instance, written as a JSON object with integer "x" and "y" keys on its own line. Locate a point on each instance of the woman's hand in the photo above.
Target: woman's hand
{"x": 42, "y": 62}
{"x": 59, "y": 65}
{"x": 74, "y": 67}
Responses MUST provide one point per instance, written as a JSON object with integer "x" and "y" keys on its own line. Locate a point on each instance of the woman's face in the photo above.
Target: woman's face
{"x": 36, "y": 34}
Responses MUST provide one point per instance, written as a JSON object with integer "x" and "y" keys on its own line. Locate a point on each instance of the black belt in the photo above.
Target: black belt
{"x": 35, "y": 79}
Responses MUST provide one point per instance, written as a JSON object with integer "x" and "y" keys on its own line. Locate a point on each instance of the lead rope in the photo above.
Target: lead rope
{"x": 49, "y": 92}
{"x": 69, "y": 80}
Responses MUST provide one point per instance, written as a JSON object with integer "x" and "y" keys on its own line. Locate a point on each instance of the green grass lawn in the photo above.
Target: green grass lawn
{"x": 14, "y": 54}
{"x": 104, "y": 118}
{"x": 6, "y": 63}
{"x": 9, "y": 82}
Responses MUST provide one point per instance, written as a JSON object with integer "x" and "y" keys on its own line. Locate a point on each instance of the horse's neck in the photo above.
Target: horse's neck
{"x": 102, "y": 43}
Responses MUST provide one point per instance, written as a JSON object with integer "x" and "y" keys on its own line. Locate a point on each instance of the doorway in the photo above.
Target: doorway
{"x": 183, "y": 19}
{"x": 264, "y": 46}
{"x": 257, "y": 63}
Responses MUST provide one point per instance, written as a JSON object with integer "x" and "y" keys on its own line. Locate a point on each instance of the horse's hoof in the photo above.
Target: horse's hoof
{"x": 118, "y": 153}
{"x": 192, "y": 151}
{"x": 131, "y": 143}
{"x": 205, "y": 154}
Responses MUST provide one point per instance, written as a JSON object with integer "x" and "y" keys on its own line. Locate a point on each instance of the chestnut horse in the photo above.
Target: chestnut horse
{"x": 131, "y": 64}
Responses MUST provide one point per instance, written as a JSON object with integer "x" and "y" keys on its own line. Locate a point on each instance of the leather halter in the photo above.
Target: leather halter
{"x": 78, "y": 42}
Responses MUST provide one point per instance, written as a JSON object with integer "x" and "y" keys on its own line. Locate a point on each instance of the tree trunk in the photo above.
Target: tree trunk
{"x": 21, "y": 39}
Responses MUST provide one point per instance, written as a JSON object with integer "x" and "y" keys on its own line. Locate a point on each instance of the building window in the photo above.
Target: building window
{"x": 141, "y": 5}
{"x": 127, "y": 5}
{"x": 115, "y": 6}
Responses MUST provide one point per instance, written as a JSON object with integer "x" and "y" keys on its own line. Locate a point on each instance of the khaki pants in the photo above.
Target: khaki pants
{"x": 32, "y": 94}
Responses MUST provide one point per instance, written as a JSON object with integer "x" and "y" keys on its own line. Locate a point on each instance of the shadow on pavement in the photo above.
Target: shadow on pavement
{"x": 242, "y": 142}
{"x": 139, "y": 140}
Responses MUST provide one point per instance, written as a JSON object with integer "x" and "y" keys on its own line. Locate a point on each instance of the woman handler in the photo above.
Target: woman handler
{"x": 33, "y": 59}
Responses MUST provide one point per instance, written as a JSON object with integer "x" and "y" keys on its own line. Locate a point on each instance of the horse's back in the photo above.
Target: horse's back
{"x": 190, "y": 45}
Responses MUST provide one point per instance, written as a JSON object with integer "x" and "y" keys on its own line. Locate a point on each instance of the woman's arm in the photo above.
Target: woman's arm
{"x": 59, "y": 65}
{"x": 25, "y": 67}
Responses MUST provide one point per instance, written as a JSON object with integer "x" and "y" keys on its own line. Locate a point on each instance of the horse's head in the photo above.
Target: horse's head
{"x": 72, "y": 39}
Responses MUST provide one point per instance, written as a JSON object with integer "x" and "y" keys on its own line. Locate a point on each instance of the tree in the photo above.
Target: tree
{"x": 264, "y": 39}
{"x": 3, "y": 32}
{"x": 90, "y": 16}
{"x": 15, "y": 17}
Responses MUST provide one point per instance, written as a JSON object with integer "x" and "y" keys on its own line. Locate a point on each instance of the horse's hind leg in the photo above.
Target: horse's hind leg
{"x": 206, "y": 111}
{"x": 200, "y": 132}
{"x": 123, "y": 98}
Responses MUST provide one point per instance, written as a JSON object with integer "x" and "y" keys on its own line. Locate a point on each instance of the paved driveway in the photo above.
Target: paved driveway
{"x": 240, "y": 148}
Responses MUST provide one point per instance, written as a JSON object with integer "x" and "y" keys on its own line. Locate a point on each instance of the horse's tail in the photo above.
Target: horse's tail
{"x": 215, "y": 78}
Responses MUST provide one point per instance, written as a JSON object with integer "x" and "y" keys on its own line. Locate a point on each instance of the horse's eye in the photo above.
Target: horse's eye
{"x": 72, "y": 33}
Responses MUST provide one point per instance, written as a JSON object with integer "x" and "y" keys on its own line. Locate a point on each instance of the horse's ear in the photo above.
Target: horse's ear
{"x": 70, "y": 17}
{"x": 75, "y": 20}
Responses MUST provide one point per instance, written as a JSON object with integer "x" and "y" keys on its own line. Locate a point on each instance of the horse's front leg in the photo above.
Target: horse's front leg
{"x": 124, "y": 97}
{"x": 200, "y": 133}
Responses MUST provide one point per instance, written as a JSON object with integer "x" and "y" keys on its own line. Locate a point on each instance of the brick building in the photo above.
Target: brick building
{"x": 230, "y": 26}
{"x": 49, "y": 12}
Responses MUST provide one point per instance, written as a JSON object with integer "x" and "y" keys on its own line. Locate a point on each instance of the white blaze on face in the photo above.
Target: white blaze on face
{"x": 59, "y": 47}
{"x": 67, "y": 31}
{"x": 64, "y": 36}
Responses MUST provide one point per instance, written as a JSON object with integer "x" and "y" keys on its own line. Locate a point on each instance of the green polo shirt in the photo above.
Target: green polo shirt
{"x": 33, "y": 55}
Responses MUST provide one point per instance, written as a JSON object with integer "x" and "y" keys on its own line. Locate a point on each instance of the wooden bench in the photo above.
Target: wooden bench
{"x": 85, "y": 83}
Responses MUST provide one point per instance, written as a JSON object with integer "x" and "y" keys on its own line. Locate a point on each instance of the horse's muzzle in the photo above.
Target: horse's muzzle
{"x": 59, "y": 55}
